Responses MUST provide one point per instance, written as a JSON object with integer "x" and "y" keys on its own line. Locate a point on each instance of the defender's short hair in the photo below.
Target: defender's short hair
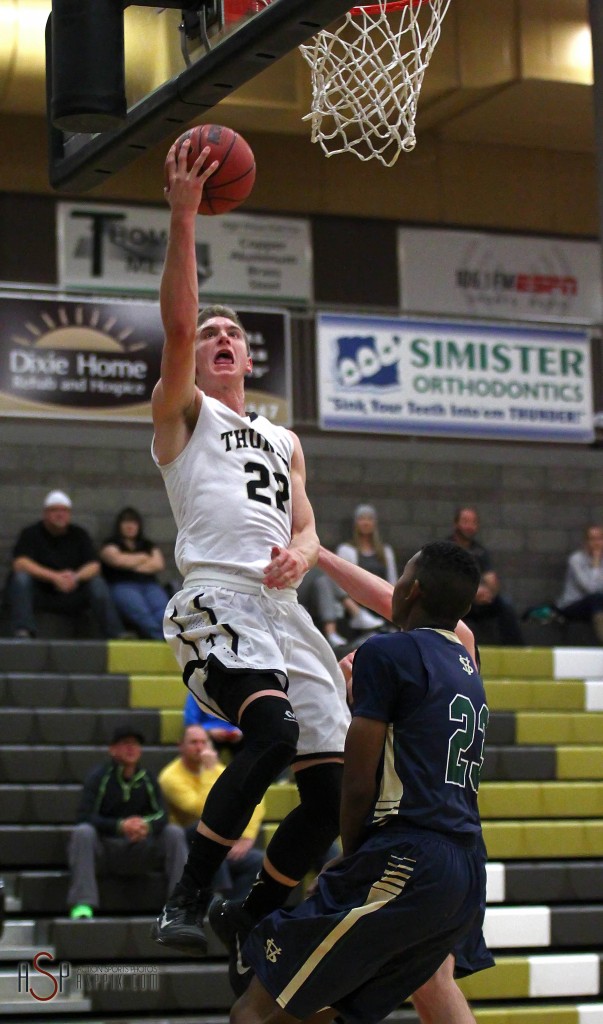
{"x": 208, "y": 312}
{"x": 449, "y": 578}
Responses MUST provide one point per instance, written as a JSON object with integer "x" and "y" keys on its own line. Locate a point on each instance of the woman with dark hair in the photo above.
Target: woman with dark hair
{"x": 130, "y": 564}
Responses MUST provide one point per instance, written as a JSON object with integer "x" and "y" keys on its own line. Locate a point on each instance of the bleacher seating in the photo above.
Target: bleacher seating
{"x": 541, "y": 799}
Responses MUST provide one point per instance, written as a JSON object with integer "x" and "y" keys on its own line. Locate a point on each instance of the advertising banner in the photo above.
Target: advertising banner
{"x": 240, "y": 256}
{"x": 454, "y": 379}
{"x": 76, "y": 359}
{"x": 471, "y": 273}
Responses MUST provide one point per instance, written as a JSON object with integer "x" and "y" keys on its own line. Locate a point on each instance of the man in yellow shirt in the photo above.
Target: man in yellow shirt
{"x": 185, "y": 783}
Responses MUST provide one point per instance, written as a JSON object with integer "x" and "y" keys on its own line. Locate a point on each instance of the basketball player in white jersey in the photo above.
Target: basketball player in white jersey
{"x": 246, "y": 536}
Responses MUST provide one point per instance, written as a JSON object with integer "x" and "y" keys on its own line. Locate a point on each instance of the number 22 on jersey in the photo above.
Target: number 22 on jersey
{"x": 267, "y": 487}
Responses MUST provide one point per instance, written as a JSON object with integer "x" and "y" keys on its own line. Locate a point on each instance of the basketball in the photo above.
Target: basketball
{"x": 233, "y": 180}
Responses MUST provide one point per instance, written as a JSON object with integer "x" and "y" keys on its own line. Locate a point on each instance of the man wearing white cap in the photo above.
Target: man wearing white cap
{"x": 55, "y": 568}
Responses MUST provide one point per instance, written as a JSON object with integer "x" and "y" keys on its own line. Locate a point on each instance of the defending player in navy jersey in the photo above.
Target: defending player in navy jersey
{"x": 385, "y": 918}
{"x": 248, "y": 651}
{"x": 438, "y": 1001}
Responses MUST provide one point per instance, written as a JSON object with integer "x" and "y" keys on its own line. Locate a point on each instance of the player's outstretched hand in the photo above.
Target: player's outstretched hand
{"x": 285, "y": 568}
{"x": 184, "y": 186}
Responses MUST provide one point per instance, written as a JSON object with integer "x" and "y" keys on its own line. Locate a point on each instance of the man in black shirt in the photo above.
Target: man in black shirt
{"x": 122, "y": 825}
{"x": 488, "y": 603}
{"x": 55, "y": 568}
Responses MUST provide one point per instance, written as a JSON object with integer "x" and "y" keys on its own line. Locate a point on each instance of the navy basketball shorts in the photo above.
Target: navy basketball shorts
{"x": 472, "y": 954}
{"x": 379, "y": 925}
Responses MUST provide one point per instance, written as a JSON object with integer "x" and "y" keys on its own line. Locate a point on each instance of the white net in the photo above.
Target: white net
{"x": 367, "y": 75}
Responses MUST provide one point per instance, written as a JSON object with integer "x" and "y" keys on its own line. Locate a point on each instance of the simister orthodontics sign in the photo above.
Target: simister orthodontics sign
{"x": 454, "y": 379}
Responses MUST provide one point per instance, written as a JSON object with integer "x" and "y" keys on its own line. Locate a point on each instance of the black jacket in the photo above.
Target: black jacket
{"x": 108, "y": 798}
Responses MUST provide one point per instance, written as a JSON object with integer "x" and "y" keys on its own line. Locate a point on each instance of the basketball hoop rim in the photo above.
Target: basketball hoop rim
{"x": 392, "y": 5}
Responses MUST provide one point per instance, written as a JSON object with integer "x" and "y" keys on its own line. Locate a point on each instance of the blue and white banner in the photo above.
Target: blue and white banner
{"x": 454, "y": 379}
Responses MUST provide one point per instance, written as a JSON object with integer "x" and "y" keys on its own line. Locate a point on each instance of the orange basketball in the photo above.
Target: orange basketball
{"x": 233, "y": 180}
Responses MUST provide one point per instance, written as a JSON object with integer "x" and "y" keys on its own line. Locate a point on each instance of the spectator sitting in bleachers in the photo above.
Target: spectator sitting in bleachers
{"x": 489, "y": 604}
{"x": 186, "y": 783}
{"x": 366, "y": 549}
{"x": 130, "y": 565}
{"x": 55, "y": 568}
{"x": 122, "y": 826}
{"x": 582, "y": 597}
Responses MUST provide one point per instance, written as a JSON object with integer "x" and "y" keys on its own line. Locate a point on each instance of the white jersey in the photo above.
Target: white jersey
{"x": 230, "y": 492}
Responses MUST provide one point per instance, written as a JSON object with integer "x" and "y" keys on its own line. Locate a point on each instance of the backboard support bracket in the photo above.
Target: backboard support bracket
{"x": 80, "y": 161}
{"x": 195, "y": 25}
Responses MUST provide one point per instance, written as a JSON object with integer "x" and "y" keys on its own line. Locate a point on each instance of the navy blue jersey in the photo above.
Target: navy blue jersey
{"x": 425, "y": 685}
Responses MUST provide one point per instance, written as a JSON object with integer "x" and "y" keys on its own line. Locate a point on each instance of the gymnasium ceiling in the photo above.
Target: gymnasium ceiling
{"x": 511, "y": 72}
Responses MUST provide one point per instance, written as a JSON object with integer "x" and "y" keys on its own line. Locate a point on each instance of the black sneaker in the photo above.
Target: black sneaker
{"x": 228, "y": 919}
{"x": 180, "y": 924}
{"x": 232, "y": 925}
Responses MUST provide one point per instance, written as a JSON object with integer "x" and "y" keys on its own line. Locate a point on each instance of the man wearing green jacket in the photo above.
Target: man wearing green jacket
{"x": 121, "y": 826}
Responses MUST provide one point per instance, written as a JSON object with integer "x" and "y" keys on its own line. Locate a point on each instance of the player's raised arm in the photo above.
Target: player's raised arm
{"x": 362, "y": 586}
{"x": 175, "y": 394}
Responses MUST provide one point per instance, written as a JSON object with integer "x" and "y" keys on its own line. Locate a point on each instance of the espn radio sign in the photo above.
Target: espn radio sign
{"x": 534, "y": 284}
{"x": 461, "y": 273}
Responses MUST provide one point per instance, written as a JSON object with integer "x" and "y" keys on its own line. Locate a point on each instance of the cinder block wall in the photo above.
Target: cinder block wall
{"x": 534, "y": 500}
{"x": 102, "y": 468}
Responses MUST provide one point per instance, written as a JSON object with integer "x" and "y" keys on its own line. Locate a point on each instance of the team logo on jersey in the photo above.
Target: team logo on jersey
{"x": 466, "y": 664}
{"x": 272, "y": 951}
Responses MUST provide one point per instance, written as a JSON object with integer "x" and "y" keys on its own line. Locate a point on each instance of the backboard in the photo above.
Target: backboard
{"x": 167, "y": 66}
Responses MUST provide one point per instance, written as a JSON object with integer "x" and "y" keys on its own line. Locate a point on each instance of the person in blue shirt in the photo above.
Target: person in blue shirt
{"x": 409, "y": 887}
{"x": 224, "y": 734}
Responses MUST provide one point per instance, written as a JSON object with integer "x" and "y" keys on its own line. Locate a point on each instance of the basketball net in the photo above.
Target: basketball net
{"x": 367, "y": 76}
